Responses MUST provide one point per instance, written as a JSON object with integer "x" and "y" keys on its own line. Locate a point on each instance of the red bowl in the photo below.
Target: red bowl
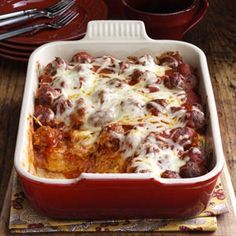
{"x": 167, "y": 19}
{"x": 115, "y": 9}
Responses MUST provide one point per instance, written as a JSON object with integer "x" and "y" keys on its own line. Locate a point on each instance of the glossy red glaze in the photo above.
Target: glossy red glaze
{"x": 18, "y": 46}
{"x": 110, "y": 199}
{"x": 115, "y": 9}
{"x": 14, "y": 57}
{"x": 7, "y": 51}
{"x": 172, "y": 25}
{"x": 15, "y": 52}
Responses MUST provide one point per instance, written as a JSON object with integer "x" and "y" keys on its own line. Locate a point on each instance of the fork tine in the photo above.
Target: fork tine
{"x": 65, "y": 8}
{"x": 52, "y": 7}
{"x": 65, "y": 20}
{"x": 58, "y": 5}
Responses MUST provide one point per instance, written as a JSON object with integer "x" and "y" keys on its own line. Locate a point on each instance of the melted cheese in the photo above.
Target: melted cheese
{"x": 108, "y": 99}
{"x": 158, "y": 156}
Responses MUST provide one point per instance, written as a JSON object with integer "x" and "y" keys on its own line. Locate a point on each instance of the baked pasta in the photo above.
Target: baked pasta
{"x": 106, "y": 115}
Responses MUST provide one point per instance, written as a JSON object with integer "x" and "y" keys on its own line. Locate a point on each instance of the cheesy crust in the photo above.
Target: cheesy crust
{"x": 107, "y": 115}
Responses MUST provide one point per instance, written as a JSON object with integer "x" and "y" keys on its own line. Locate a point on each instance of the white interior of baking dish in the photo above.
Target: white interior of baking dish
{"x": 119, "y": 39}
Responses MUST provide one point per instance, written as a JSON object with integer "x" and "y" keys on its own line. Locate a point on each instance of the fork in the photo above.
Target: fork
{"x": 50, "y": 12}
{"x": 56, "y": 24}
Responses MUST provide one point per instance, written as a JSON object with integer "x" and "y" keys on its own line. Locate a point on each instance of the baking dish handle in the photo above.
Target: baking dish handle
{"x": 116, "y": 30}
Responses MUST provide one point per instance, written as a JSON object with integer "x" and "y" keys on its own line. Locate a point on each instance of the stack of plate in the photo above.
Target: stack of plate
{"x": 20, "y": 47}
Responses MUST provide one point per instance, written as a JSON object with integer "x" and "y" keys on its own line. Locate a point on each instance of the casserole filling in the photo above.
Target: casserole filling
{"x": 106, "y": 115}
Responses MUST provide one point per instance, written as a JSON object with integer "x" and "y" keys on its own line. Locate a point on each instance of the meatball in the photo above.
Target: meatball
{"x": 45, "y": 115}
{"x": 82, "y": 57}
{"x": 192, "y": 169}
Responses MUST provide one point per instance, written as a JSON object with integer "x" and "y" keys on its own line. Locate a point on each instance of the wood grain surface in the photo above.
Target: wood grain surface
{"x": 215, "y": 35}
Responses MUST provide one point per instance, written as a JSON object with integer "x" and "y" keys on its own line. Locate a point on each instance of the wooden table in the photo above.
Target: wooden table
{"x": 216, "y": 35}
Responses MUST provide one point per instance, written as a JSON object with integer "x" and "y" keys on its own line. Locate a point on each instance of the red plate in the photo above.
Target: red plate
{"x": 17, "y": 46}
{"x": 15, "y": 52}
{"x": 13, "y": 57}
{"x": 88, "y": 9}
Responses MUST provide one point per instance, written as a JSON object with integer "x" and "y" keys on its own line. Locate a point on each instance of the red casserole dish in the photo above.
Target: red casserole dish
{"x": 109, "y": 196}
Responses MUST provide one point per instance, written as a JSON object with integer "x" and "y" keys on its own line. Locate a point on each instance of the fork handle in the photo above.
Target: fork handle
{"x": 22, "y": 31}
{"x": 17, "y": 13}
{"x": 22, "y": 18}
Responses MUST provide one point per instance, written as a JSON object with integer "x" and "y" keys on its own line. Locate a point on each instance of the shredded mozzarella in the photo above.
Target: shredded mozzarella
{"x": 108, "y": 98}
